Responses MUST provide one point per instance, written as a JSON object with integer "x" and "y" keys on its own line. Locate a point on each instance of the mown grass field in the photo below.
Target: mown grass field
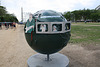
{"x": 85, "y": 34}
{"x": 82, "y": 23}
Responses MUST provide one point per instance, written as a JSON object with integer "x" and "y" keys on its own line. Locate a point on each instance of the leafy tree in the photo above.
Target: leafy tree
{"x": 95, "y": 16}
{"x": 85, "y": 14}
{"x": 68, "y": 15}
{"x": 2, "y": 10}
{"x": 5, "y": 17}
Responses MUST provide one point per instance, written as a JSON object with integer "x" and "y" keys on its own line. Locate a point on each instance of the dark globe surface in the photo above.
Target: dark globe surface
{"x": 47, "y": 43}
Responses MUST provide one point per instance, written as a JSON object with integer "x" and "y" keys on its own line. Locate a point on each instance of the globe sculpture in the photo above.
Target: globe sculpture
{"x": 47, "y": 31}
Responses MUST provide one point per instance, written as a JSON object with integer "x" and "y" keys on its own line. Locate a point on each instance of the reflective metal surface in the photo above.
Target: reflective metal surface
{"x": 47, "y": 32}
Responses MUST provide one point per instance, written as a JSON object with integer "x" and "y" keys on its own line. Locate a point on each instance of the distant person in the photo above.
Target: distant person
{"x": 0, "y": 25}
{"x": 85, "y": 21}
{"x": 6, "y": 26}
{"x": 14, "y": 25}
{"x": 11, "y": 25}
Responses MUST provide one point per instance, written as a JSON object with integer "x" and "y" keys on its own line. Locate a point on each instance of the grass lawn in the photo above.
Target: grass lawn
{"x": 82, "y": 23}
{"x": 85, "y": 33}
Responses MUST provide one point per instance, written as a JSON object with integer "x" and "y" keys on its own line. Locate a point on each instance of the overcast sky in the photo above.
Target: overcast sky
{"x": 14, "y": 6}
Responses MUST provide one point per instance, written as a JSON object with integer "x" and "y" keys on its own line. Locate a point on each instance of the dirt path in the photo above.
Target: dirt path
{"x": 14, "y": 51}
{"x": 88, "y": 56}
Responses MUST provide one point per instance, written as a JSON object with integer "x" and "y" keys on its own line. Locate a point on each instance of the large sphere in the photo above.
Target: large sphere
{"x": 49, "y": 42}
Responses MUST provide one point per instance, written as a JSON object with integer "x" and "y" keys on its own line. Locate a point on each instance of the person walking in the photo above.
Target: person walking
{"x": 14, "y": 25}
{"x": 0, "y": 25}
{"x": 5, "y": 25}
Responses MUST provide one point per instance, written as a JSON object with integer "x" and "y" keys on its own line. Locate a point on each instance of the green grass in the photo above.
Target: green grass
{"x": 85, "y": 34}
{"x": 82, "y": 23}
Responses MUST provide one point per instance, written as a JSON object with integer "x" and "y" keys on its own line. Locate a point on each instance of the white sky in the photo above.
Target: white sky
{"x": 14, "y": 6}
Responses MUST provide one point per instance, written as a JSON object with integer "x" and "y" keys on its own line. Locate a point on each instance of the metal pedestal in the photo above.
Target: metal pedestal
{"x": 56, "y": 60}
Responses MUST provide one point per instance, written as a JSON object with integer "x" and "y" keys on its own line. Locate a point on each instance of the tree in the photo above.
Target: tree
{"x": 68, "y": 15}
{"x": 2, "y": 10}
{"x": 95, "y": 16}
{"x": 77, "y": 15}
{"x": 83, "y": 15}
{"x": 4, "y": 16}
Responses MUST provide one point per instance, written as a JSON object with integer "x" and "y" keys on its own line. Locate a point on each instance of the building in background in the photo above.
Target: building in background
{"x": 98, "y": 7}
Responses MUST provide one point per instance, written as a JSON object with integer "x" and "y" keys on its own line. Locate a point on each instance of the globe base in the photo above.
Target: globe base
{"x": 41, "y": 60}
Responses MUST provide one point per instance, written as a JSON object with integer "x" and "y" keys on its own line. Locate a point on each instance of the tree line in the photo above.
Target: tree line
{"x": 5, "y": 16}
{"x": 83, "y": 15}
